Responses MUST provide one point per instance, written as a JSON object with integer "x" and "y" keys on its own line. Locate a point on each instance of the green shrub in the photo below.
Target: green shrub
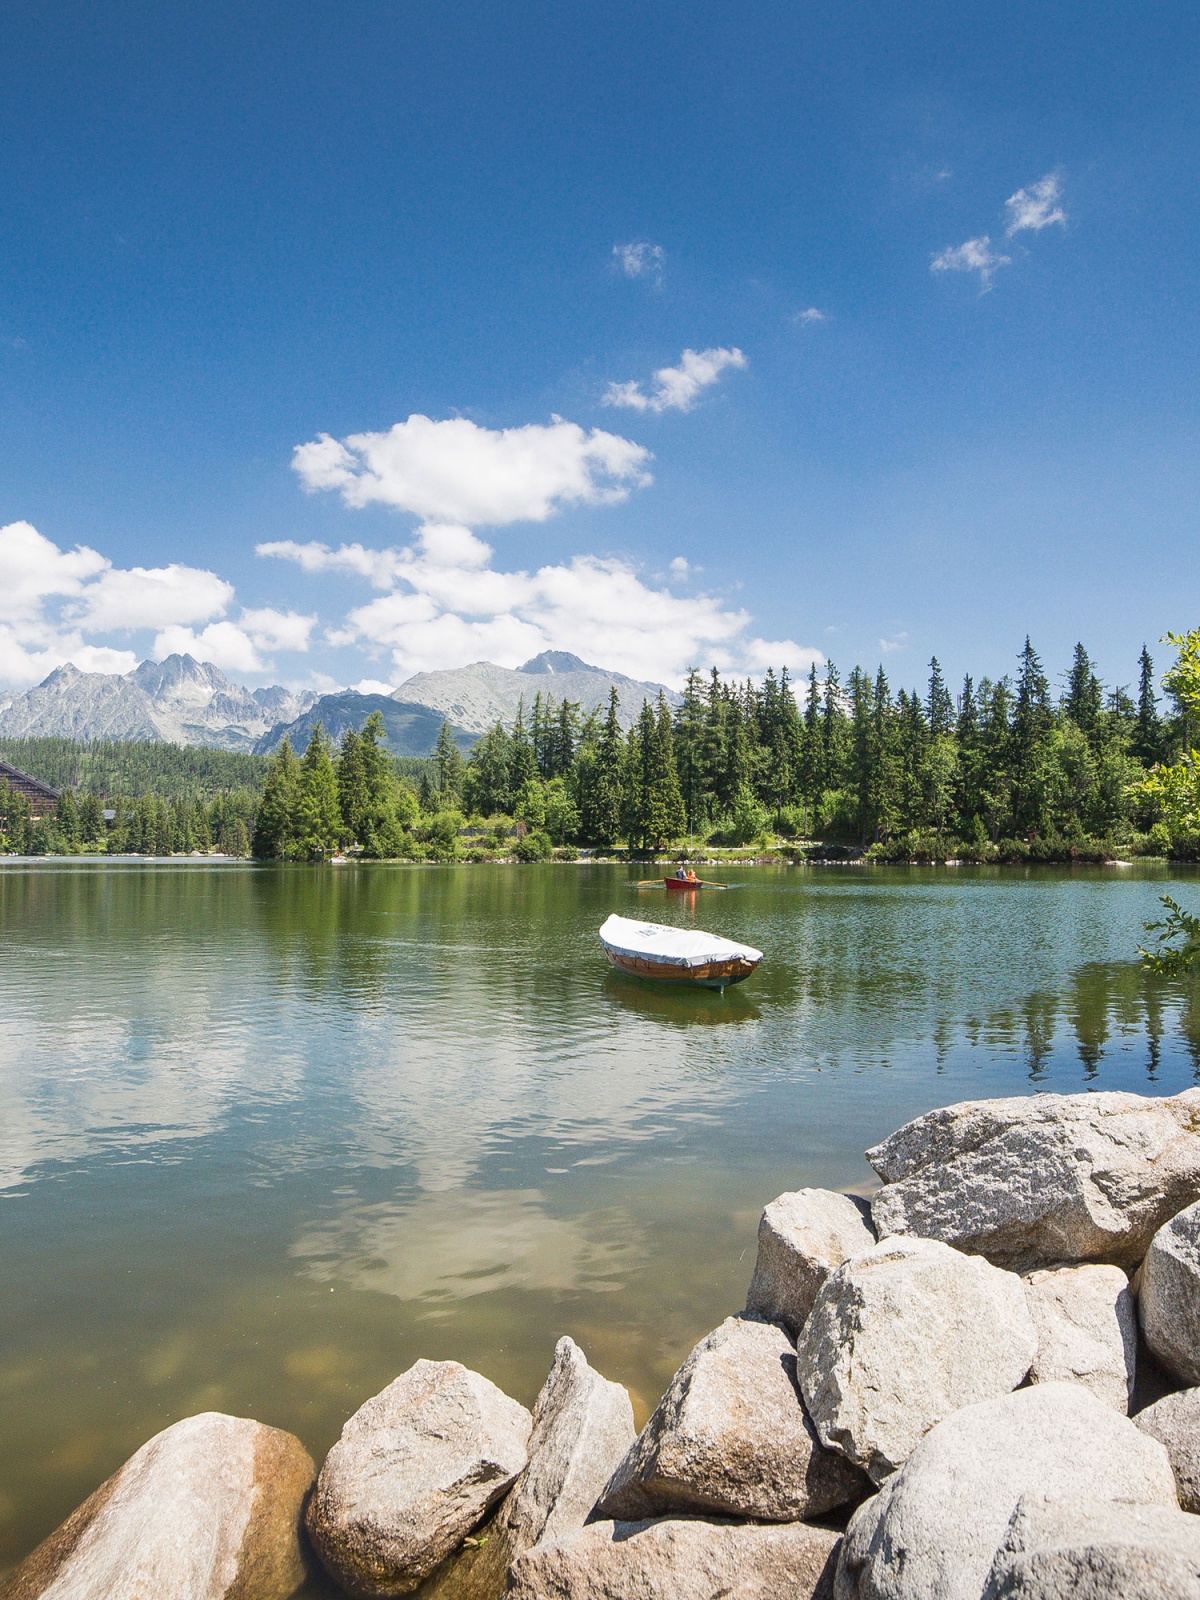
{"x": 535, "y": 846}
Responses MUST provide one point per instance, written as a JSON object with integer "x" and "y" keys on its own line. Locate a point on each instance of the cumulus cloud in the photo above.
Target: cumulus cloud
{"x": 641, "y": 259}
{"x": 238, "y": 646}
{"x": 1036, "y": 207}
{"x": 676, "y": 388}
{"x": 976, "y": 255}
{"x": 804, "y": 318}
{"x": 450, "y": 604}
{"x": 152, "y": 597}
{"x": 53, "y": 602}
{"x": 456, "y": 471}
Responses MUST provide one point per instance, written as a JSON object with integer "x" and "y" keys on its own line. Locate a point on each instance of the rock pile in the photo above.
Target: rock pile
{"x": 924, "y": 1398}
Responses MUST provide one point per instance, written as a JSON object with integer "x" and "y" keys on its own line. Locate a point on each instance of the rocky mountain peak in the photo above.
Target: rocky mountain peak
{"x": 554, "y": 661}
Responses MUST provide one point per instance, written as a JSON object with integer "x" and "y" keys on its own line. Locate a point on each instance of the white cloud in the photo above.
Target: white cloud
{"x": 377, "y": 566}
{"x": 53, "y": 602}
{"x": 1036, "y": 207}
{"x": 237, "y": 646}
{"x": 455, "y": 471}
{"x": 804, "y": 318}
{"x": 223, "y": 643}
{"x": 277, "y": 630}
{"x": 451, "y": 605}
{"x": 888, "y": 646}
{"x": 676, "y": 388}
{"x": 640, "y": 259}
{"x": 976, "y": 255}
{"x": 372, "y": 686}
{"x": 680, "y": 567}
{"x": 153, "y": 597}
{"x": 35, "y": 569}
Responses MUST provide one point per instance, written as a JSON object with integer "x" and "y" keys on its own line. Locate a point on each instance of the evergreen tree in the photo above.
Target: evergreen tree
{"x": 353, "y": 799}
{"x": 883, "y": 785}
{"x": 1032, "y": 722}
{"x": 486, "y": 781}
{"x": 1084, "y": 699}
{"x": 911, "y": 743}
{"x": 834, "y": 733}
{"x": 275, "y": 824}
{"x": 318, "y": 821}
{"x": 813, "y": 777}
{"x": 1147, "y": 739}
{"x": 601, "y": 804}
{"x": 66, "y": 817}
{"x": 522, "y": 760}
{"x": 689, "y": 751}
{"x": 939, "y": 708}
{"x": 91, "y": 820}
{"x": 449, "y": 762}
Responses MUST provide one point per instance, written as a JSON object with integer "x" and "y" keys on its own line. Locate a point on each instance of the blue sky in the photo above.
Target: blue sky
{"x": 228, "y": 232}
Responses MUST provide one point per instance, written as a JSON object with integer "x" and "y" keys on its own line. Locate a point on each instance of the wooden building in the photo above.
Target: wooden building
{"x": 42, "y": 798}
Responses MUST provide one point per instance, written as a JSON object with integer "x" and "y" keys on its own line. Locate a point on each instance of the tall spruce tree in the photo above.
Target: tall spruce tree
{"x": 600, "y": 802}
{"x": 1084, "y": 699}
{"x": 1032, "y": 725}
{"x": 318, "y": 821}
{"x": 275, "y": 823}
{"x": 689, "y": 751}
{"x": 1147, "y": 739}
{"x": 939, "y": 707}
{"x": 448, "y": 760}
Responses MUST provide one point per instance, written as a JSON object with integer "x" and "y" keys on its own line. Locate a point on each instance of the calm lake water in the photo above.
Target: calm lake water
{"x": 267, "y": 1135}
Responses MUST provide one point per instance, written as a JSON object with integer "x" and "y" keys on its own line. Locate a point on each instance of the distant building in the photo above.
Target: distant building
{"x": 42, "y": 798}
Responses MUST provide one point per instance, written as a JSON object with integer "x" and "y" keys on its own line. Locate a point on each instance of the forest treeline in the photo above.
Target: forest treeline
{"x": 996, "y": 769}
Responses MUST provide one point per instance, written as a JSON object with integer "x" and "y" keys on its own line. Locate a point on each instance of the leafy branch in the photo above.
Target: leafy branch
{"x": 1178, "y": 944}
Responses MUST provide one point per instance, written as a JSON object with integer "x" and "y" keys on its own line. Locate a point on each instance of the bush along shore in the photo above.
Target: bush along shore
{"x": 982, "y": 1385}
{"x": 1003, "y": 772}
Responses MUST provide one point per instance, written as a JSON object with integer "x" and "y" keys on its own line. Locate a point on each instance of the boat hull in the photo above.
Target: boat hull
{"x": 712, "y": 975}
{"x": 680, "y": 886}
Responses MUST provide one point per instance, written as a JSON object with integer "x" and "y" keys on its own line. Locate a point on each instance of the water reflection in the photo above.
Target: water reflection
{"x": 268, "y": 1135}
{"x": 685, "y": 1008}
{"x": 453, "y": 1245}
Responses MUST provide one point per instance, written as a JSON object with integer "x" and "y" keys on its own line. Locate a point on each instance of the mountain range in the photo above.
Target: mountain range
{"x": 184, "y": 701}
{"x": 175, "y": 701}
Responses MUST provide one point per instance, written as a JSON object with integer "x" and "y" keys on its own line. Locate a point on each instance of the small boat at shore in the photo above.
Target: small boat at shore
{"x": 676, "y": 955}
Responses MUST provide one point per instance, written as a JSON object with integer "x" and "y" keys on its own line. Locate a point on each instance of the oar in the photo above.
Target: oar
{"x": 648, "y": 883}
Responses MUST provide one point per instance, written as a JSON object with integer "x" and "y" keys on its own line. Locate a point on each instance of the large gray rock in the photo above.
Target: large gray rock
{"x": 932, "y": 1531}
{"x": 1175, "y": 1422}
{"x": 207, "y": 1509}
{"x": 1087, "y": 1330}
{"x": 802, "y": 1236}
{"x": 902, "y": 1335}
{"x": 1042, "y": 1180}
{"x": 582, "y": 1427}
{"x": 730, "y": 1437}
{"x": 1068, "y": 1549}
{"x": 414, "y": 1472}
{"x": 1169, "y": 1296}
{"x": 680, "y": 1561}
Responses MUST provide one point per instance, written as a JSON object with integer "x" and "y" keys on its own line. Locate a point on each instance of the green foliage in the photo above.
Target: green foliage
{"x": 1178, "y": 944}
{"x": 111, "y": 767}
{"x": 535, "y": 846}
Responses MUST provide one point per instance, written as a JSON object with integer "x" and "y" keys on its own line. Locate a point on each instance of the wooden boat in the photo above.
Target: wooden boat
{"x": 676, "y": 955}
{"x": 682, "y": 885}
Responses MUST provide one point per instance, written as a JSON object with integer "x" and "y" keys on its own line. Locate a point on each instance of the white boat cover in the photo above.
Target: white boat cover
{"x": 679, "y": 947}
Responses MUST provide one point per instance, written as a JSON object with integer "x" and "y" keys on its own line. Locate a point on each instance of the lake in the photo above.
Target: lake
{"x": 267, "y": 1135}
